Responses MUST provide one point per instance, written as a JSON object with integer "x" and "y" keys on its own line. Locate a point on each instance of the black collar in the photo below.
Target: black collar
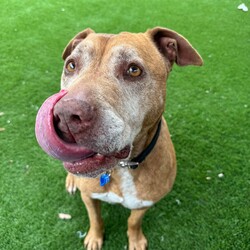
{"x": 134, "y": 163}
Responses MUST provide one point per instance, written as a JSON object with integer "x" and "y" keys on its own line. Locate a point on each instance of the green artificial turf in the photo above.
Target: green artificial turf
{"x": 207, "y": 111}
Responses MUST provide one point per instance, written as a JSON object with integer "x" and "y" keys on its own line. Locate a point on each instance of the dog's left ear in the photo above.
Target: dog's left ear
{"x": 75, "y": 41}
{"x": 174, "y": 47}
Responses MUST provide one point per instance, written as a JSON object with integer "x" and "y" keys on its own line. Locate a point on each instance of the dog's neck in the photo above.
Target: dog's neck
{"x": 145, "y": 142}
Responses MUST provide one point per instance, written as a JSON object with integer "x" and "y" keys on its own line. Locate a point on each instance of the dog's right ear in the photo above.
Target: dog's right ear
{"x": 75, "y": 41}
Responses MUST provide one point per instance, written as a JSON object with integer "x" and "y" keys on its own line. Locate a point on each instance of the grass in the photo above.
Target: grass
{"x": 207, "y": 111}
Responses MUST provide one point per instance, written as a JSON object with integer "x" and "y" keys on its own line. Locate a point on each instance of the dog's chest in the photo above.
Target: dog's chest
{"x": 129, "y": 196}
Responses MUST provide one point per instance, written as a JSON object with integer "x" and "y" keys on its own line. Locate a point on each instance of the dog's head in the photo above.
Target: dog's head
{"x": 115, "y": 92}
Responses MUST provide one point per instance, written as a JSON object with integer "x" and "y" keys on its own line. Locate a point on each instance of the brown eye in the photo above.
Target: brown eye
{"x": 134, "y": 71}
{"x": 71, "y": 67}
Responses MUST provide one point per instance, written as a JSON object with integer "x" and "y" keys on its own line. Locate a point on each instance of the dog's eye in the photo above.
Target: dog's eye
{"x": 134, "y": 71}
{"x": 71, "y": 66}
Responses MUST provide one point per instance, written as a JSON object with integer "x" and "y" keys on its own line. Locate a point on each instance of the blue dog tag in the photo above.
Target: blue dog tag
{"x": 104, "y": 179}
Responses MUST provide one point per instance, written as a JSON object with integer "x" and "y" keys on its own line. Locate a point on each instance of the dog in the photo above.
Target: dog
{"x": 106, "y": 124}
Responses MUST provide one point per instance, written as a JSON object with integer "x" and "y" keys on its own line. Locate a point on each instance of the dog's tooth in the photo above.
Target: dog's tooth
{"x": 99, "y": 156}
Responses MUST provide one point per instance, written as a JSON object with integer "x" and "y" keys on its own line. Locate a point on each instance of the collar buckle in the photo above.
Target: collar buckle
{"x": 130, "y": 164}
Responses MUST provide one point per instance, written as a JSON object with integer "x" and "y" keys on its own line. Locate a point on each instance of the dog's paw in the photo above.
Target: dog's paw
{"x": 138, "y": 243}
{"x": 70, "y": 184}
{"x": 93, "y": 241}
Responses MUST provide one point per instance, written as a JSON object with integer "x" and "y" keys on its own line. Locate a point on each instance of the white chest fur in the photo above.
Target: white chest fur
{"x": 129, "y": 194}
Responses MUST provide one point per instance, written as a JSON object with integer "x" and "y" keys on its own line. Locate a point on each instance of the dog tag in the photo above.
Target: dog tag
{"x": 104, "y": 179}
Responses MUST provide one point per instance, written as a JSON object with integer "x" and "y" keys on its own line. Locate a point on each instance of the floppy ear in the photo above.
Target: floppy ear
{"x": 174, "y": 47}
{"x": 75, "y": 41}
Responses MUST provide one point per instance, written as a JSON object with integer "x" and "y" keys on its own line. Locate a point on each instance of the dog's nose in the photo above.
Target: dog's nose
{"x": 73, "y": 116}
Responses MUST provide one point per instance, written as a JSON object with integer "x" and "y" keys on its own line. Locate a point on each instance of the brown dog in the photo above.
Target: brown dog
{"x": 108, "y": 124}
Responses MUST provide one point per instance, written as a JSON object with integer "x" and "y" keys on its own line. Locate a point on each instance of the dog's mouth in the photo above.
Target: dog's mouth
{"x": 95, "y": 164}
{"x": 77, "y": 159}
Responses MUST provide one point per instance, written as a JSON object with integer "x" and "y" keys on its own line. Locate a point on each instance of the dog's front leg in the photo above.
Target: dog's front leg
{"x": 136, "y": 238}
{"x": 94, "y": 238}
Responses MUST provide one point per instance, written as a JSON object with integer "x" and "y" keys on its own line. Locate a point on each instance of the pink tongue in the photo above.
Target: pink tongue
{"x": 48, "y": 139}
